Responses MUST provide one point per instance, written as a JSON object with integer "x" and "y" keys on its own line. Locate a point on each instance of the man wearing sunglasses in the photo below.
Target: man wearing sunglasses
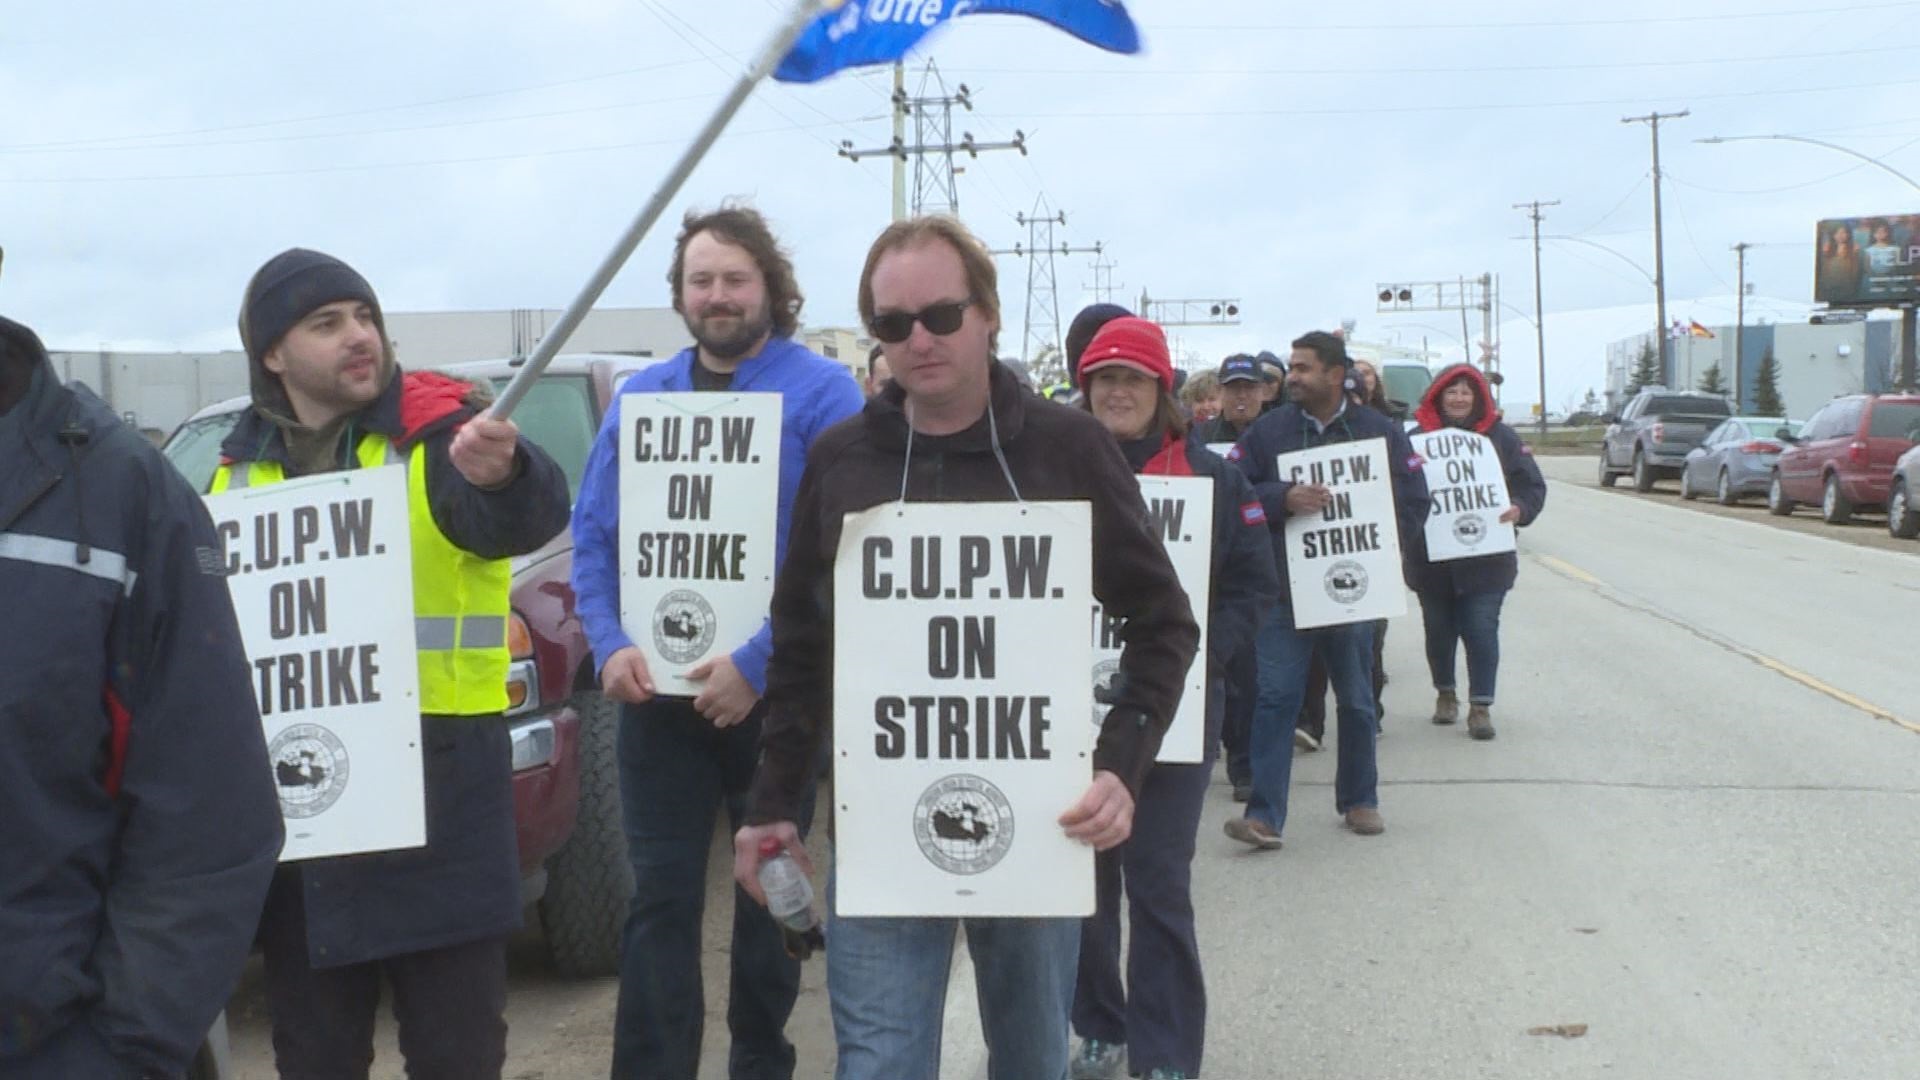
{"x": 929, "y": 293}
{"x": 682, "y": 758}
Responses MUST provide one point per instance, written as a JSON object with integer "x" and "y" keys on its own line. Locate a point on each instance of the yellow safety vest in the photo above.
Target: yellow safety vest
{"x": 460, "y": 600}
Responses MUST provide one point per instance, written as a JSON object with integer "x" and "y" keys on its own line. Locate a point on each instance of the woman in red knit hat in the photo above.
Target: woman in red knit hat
{"x": 1154, "y": 1025}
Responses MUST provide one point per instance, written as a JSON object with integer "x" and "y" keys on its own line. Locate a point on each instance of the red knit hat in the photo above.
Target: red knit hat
{"x": 1130, "y": 342}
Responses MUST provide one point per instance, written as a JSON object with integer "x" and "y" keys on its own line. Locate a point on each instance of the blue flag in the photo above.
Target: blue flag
{"x": 863, "y": 32}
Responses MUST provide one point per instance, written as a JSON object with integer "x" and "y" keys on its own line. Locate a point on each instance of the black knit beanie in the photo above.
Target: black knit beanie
{"x": 1084, "y": 326}
{"x": 289, "y": 287}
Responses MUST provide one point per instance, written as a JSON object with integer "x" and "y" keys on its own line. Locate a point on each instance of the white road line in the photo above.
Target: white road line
{"x": 1787, "y": 671}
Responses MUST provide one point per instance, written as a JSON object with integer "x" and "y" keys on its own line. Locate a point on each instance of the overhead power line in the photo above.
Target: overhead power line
{"x": 1445, "y": 69}
{"x": 1501, "y": 106}
{"x": 1553, "y": 24}
{"x": 347, "y": 113}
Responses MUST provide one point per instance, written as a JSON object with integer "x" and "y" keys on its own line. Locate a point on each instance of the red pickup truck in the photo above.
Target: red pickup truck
{"x": 566, "y": 781}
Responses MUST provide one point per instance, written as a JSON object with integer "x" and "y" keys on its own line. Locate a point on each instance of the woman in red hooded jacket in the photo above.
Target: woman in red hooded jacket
{"x": 1151, "y": 1021}
{"x": 1460, "y": 599}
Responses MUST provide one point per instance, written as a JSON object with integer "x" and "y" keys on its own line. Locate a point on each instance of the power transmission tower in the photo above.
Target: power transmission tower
{"x": 936, "y": 189}
{"x": 1652, "y": 120}
{"x": 1043, "y": 291}
{"x": 1103, "y": 286}
{"x": 1539, "y": 311}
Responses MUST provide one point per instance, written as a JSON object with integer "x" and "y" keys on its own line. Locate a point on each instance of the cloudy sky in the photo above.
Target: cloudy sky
{"x": 484, "y": 154}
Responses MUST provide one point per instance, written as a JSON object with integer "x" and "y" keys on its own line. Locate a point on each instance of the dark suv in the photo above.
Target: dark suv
{"x": 566, "y": 780}
{"x": 1649, "y": 439}
{"x": 1844, "y": 456}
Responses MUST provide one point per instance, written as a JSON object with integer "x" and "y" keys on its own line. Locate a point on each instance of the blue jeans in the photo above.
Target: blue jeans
{"x": 676, "y": 771}
{"x": 1473, "y": 618}
{"x": 1284, "y": 656}
{"x": 887, "y": 983}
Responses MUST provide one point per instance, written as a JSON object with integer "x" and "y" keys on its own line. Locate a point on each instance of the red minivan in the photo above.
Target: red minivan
{"x": 1843, "y": 458}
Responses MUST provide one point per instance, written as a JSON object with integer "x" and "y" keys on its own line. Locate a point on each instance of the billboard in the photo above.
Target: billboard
{"x": 1868, "y": 262}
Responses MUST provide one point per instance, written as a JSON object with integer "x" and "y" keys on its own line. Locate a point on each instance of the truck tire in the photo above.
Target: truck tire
{"x": 1777, "y": 502}
{"x": 1834, "y": 507}
{"x": 589, "y": 881}
{"x": 1643, "y": 477}
{"x": 1607, "y": 476}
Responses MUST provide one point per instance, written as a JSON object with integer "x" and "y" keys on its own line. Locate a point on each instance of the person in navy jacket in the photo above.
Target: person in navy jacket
{"x": 1318, "y": 413}
{"x": 142, "y": 825}
{"x": 1460, "y": 600}
{"x": 681, "y": 758}
{"x": 1154, "y": 1022}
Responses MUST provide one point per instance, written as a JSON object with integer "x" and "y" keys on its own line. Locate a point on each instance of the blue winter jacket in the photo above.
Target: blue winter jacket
{"x": 816, "y": 393}
{"x": 1286, "y": 430}
{"x": 140, "y": 817}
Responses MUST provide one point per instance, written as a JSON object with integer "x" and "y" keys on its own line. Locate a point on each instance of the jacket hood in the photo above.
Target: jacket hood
{"x": 1485, "y": 412}
{"x": 1007, "y": 401}
{"x": 20, "y": 355}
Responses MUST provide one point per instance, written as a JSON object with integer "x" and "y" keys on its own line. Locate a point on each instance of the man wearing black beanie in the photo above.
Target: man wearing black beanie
{"x": 433, "y": 921}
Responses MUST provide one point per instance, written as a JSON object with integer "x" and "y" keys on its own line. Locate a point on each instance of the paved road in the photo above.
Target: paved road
{"x": 1696, "y": 835}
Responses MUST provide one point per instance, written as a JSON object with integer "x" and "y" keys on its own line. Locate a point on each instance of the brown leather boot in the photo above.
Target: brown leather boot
{"x": 1480, "y": 722}
{"x": 1446, "y": 708}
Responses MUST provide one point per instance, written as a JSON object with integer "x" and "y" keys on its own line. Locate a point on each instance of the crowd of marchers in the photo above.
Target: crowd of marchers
{"x": 144, "y": 824}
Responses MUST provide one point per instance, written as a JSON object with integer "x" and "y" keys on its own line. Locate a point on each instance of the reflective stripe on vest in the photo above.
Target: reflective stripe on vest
{"x": 460, "y": 601}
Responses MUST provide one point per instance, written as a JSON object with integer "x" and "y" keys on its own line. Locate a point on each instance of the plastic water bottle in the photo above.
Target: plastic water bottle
{"x": 789, "y": 898}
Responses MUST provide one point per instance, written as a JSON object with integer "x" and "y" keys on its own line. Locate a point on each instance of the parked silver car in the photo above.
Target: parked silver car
{"x": 1903, "y": 501}
{"x": 1735, "y": 460}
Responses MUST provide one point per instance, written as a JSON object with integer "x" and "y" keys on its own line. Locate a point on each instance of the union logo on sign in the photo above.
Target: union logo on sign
{"x": 1105, "y": 692}
{"x": 964, "y": 825}
{"x": 311, "y": 768}
{"x": 1470, "y": 530}
{"x": 683, "y": 626}
{"x": 1346, "y": 582}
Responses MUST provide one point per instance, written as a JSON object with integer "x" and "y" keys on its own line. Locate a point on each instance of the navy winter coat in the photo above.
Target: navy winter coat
{"x": 141, "y": 822}
{"x": 1286, "y": 430}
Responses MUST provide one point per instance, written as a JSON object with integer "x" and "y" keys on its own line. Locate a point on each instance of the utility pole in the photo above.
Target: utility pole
{"x": 1539, "y": 305}
{"x": 899, "y": 101}
{"x": 1652, "y": 120}
{"x": 935, "y": 187}
{"x": 1739, "y": 320}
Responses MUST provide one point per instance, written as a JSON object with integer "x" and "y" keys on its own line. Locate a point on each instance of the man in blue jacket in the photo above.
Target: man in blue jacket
{"x": 141, "y": 820}
{"x": 681, "y": 758}
{"x": 1317, "y": 413}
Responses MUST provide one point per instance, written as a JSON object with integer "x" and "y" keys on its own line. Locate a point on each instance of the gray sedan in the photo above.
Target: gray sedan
{"x": 1735, "y": 460}
{"x": 1903, "y": 502}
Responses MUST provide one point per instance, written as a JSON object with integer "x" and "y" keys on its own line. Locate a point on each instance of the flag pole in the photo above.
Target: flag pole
{"x": 776, "y": 49}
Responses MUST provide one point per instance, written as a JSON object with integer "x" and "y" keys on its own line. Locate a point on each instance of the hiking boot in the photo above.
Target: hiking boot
{"x": 1365, "y": 821}
{"x": 1446, "y": 708}
{"x": 1480, "y": 722}
{"x": 1253, "y": 832}
{"x": 1242, "y": 792}
{"x": 1305, "y": 740}
{"x": 1100, "y": 1060}
{"x": 1167, "y": 1074}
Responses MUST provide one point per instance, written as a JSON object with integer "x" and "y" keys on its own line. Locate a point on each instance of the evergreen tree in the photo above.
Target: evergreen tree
{"x": 1766, "y": 394}
{"x": 1646, "y": 370}
{"x": 1713, "y": 383}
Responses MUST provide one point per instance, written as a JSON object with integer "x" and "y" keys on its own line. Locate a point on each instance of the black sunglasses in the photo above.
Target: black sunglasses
{"x": 894, "y": 327}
